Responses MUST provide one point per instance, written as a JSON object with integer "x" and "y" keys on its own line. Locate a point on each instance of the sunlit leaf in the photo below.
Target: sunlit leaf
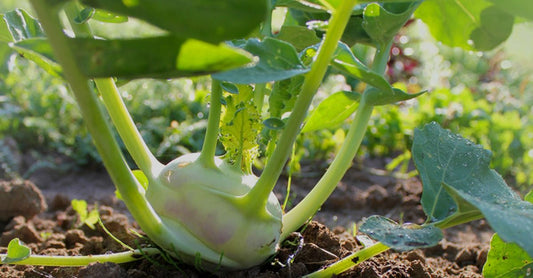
{"x": 507, "y": 260}
{"x": 105, "y": 16}
{"x": 80, "y": 207}
{"x": 25, "y": 35}
{"x": 496, "y": 26}
{"x": 470, "y": 24}
{"x": 40, "y": 52}
{"x": 16, "y": 251}
{"x": 92, "y": 218}
{"x": 400, "y": 237}
{"x": 18, "y": 25}
{"x": 158, "y": 57}
{"x": 516, "y": 7}
{"x": 213, "y": 21}
{"x": 529, "y": 197}
{"x": 141, "y": 178}
{"x": 332, "y": 111}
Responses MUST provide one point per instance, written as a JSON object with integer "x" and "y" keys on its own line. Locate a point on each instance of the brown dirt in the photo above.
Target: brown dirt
{"x": 362, "y": 193}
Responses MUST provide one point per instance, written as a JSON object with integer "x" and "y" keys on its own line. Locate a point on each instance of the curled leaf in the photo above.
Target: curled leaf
{"x": 400, "y": 237}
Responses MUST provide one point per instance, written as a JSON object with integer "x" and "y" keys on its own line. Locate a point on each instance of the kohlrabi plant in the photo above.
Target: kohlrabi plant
{"x": 213, "y": 208}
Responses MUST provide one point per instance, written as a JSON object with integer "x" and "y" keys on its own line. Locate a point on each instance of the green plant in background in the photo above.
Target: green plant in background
{"x": 85, "y": 216}
{"x": 202, "y": 207}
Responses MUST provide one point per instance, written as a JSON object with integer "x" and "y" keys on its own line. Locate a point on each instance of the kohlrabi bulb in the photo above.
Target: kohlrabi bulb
{"x": 205, "y": 208}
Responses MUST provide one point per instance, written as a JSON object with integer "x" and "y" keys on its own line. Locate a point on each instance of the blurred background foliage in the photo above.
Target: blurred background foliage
{"x": 487, "y": 97}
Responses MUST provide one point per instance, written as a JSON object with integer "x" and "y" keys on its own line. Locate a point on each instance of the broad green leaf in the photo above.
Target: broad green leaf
{"x": 441, "y": 157}
{"x": 507, "y": 260}
{"x": 278, "y": 60}
{"x": 382, "y": 22}
{"x": 213, "y": 21}
{"x": 25, "y": 35}
{"x": 157, "y": 57}
{"x": 470, "y": 24}
{"x": 400, "y": 237}
{"x": 449, "y": 164}
{"x": 332, "y": 111}
{"x": 346, "y": 62}
{"x": 516, "y": 7}
{"x": 40, "y": 52}
{"x": 496, "y": 26}
{"x": 16, "y": 251}
{"x": 300, "y": 37}
{"x": 377, "y": 97}
{"x": 18, "y": 25}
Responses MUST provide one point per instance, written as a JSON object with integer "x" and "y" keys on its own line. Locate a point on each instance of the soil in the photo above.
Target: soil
{"x": 48, "y": 225}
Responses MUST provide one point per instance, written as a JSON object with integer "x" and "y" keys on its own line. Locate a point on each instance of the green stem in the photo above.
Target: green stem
{"x": 297, "y": 216}
{"x": 342, "y": 162}
{"x": 257, "y": 197}
{"x": 116, "y": 108}
{"x": 259, "y": 96}
{"x": 289, "y": 180}
{"x": 126, "y": 128}
{"x": 350, "y": 261}
{"x": 207, "y": 156}
{"x": 131, "y": 191}
{"x": 122, "y": 257}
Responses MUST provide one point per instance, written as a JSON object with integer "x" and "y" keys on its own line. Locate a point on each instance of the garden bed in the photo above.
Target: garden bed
{"x": 363, "y": 192}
